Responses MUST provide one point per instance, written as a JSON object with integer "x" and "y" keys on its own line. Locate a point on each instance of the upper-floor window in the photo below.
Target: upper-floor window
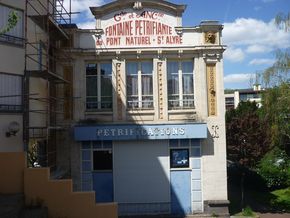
{"x": 16, "y": 34}
{"x": 10, "y": 93}
{"x": 139, "y": 84}
{"x": 180, "y": 84}
{"x": 99, "y": 86}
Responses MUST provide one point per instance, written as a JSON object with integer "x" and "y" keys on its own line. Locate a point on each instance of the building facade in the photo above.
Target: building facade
{"x": 11, "y": 78}
{"x": 149, "y": 127}
{"x": 133, "y": 109}
{"x": 233, "y": 99}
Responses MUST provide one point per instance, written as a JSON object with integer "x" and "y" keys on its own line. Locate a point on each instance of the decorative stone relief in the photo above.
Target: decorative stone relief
{"x": 215, "y": 129}
{"x": 137, "y": 6}
{"x": 211, "y": 89}
{"x": 210, "y": 37}
{"x": 119, "y": 91}
{"x": 160, "y": 85}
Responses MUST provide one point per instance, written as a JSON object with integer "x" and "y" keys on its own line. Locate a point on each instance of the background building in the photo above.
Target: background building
{"x": 233, "y": 99}
{"x": 11, "y": 78}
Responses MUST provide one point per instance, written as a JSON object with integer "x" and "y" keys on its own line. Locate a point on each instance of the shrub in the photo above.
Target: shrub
{"x": 247, "y": 211}
{"x": 275, "y": 169}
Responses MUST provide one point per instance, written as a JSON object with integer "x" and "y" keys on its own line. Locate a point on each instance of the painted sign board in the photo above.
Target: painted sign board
{"x": 143, "y": 28}
{"x": 135, "y": 132}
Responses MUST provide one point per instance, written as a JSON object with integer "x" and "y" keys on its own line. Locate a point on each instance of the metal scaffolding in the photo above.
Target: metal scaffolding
{"x": 47, "y": 24}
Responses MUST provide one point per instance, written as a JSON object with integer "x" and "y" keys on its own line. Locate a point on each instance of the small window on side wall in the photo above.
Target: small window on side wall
{"x": 103, "y": 160}
{"x": 179, "y": 158}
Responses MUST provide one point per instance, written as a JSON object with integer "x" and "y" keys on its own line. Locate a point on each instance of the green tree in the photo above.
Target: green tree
{"x": 12, "y": 21}
{"x": 247, "y": 140}
{"x": 276, "y": 100}
{"x": 283, "y": 21}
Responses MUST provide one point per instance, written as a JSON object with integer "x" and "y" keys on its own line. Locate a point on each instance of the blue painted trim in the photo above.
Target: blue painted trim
{"x": 103, "y": 186}
{"x": 137, "y": 132}
{"x": 180, "y": 192}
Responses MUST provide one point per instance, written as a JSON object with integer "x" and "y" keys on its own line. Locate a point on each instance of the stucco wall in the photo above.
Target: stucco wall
{"x": 12, "y": 172}
{"x": 57, "y": 195}
{"x": 12, "y": 143}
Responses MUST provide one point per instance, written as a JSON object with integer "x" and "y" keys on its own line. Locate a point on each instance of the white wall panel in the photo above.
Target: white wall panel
{"x": 141, "y": 171}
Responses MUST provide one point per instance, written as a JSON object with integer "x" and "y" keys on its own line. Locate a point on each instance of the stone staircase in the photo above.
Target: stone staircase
{"x": 59, "y": 198}
{"x": 11, "y": 205}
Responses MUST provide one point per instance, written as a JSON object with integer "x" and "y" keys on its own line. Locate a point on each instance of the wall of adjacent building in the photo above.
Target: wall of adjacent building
{"x": 11, "y": 63}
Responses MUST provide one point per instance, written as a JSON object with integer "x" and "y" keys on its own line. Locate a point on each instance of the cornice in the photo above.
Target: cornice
{"x": 175, "y": 9}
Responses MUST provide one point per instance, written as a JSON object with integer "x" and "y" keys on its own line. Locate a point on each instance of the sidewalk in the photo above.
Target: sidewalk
{"x": 274, "y": 215}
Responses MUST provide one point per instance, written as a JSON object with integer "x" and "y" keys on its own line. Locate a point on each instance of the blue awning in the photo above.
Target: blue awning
{"x": 136, "y": 132}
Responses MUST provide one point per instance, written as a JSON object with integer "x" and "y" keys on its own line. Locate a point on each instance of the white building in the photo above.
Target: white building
{"x": 241, "y": 95}
{"x": 150, "y": 110}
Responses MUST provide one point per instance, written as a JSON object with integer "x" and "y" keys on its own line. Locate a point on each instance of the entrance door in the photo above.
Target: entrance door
{"x": 103, "y": 175}
{"x": 180, "y": 192}
{"x": 103, "y": 186}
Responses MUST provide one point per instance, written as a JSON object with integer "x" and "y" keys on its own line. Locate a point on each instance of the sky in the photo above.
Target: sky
{"x": 249, "y": 32}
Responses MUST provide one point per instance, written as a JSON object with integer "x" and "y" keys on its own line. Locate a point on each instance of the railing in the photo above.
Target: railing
{"x": 54, "y": 8}
{"x": 12, "y": 39}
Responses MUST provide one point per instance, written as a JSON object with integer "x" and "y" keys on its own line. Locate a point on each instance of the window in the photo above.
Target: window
{"x": 16, "y": 34}
{"x": 103, "y": 160}
{"x": 139, "y": 84}
{"x": 99, "y": 86}
{"x": 180, "y": 84}
{"x": 10, "y": 93}
{"x": 179, "y": 158}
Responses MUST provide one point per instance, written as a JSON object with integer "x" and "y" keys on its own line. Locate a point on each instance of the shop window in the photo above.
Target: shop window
{"x": 179, "y": 158}
{"x": 103, "y": 160}
{"x": 99, "y": 86}
{"x": 16, "y": 34}
{"x": 139, "y": 84}
{"x": 10, "y": 93}
{"x": 180, "y": 84}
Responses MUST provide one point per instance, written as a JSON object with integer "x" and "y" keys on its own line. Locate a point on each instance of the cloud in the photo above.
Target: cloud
{"x": 84, "y": 18}
{"x": 238, "y": 78}
{"x": 258, "y": 49}
{"x": 234, "y": 54}
{"x": 256, "y": 35}
{"x": 83, "y": 5}
{"x": 262, "y": 61}
{"x": 87, "y": 25}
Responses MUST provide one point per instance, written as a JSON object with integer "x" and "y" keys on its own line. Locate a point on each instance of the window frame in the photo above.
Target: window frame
{"x": 140, "y": 96}
{"x": 98, "y": 87}
{"x": 181, "y": 165}
{"x": 12, "y": 108}
{"x": 10, "y": 38}
{"x": 102, "y": 146}
{"x": 181, "y": 100}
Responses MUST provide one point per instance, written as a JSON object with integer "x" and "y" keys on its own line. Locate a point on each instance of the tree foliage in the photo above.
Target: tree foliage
{"x": 12, "y": 21}
{"x": 283, "y": 21}
{"x": 276, "y": 100}
{"x": 276, "y": 107}
{"x": 247, "y": 140}
{"x": 279, "y": 72}
{"x": 275, "y": 169}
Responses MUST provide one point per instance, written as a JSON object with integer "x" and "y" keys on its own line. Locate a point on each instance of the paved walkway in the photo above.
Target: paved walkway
{"x": 274, "y": 215}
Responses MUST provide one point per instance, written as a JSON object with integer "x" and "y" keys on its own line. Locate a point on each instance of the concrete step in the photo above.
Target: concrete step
{"x": 202, "y": 215}
{"x": 38, "y": 212}
{"x": 11, "y": 205}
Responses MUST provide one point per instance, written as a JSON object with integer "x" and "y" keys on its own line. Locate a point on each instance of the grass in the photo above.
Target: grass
{"x": 282, "y": 200}
{"x": 248, "y": 212}
{"x": 259, "y": 201}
